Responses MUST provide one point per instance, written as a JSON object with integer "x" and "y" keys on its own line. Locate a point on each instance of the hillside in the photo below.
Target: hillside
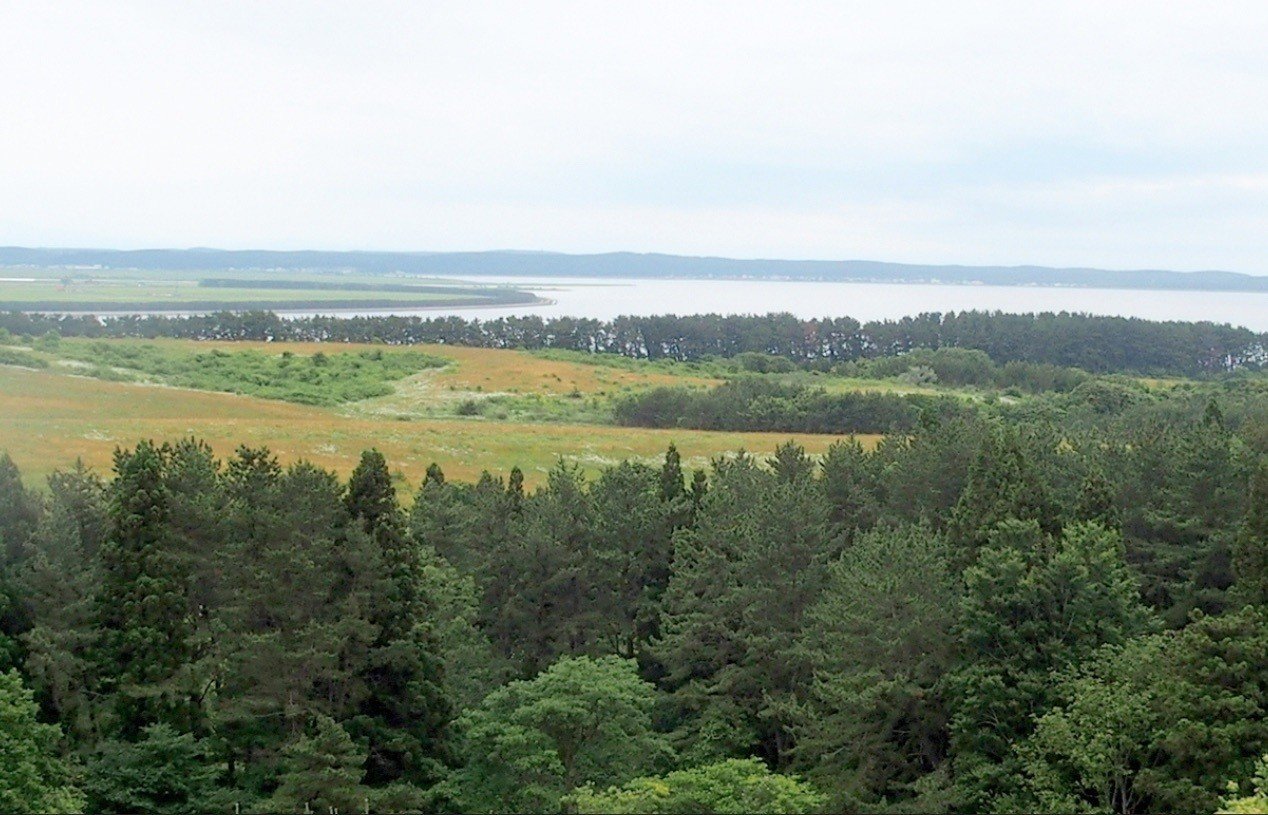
{"x": 625, "y": 264}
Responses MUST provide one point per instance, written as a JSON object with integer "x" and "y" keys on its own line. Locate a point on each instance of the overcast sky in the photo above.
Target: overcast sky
{"x": 1066, "y": 133}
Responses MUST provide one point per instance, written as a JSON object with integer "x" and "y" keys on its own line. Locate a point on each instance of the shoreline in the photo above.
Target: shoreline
{"x": 539, "y": 281}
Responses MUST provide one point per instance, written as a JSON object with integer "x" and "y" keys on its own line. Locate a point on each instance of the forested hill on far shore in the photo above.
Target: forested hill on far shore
{"x": 626, "y": 264}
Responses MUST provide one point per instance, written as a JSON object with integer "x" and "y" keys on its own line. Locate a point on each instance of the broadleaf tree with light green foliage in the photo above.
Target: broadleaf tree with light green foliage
{"x": 531, "y": 742}
{"x": 731, "y": 787}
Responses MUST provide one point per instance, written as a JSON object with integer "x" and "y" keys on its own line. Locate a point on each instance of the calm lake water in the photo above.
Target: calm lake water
{"x": 608, "y": 298}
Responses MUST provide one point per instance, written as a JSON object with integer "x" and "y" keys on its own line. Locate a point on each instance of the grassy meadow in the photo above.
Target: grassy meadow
{"x": 69, "y": 399}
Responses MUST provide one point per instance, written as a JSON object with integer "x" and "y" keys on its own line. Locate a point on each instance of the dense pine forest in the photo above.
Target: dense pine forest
{"x": 1089, "y": 342}
{"x": 1054, "y": 606}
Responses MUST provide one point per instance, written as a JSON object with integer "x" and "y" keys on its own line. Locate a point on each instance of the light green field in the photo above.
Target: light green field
{"x": 51, "y": 416}
{"x": 177, "y": 293}
{"x": 31, "y": 289}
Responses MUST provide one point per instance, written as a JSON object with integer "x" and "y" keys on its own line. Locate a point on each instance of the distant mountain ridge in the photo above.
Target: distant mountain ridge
{"x": 626, "y": 264}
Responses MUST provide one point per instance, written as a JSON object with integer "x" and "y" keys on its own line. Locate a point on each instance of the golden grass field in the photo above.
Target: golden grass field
{"x": 49, "y": 418}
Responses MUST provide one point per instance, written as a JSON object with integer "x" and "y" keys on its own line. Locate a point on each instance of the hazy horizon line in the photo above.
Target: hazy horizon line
{"x": 631, "y": 252}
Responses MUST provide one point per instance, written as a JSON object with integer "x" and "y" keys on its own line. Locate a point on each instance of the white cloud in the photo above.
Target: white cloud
{"x": 1065, "y": 133}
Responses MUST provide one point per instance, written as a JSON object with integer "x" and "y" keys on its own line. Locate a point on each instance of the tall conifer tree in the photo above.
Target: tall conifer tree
{"x": 141, "y": 609}
{"x": 1252, "y": 541}
{"x": 405, "y": 714}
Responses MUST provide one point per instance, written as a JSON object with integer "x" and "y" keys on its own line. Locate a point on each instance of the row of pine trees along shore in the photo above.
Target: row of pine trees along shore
{"x": 978, "y": 616}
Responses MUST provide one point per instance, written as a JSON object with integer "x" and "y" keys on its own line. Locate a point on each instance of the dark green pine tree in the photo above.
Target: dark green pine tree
{"x": 295, "y": 627}
{"x": 880, "y": 642}
{"x": 849, "y": 484}
{"x": 515, "y": 489}
{"x": 631, "y": 550}
{"x": 742, "y": 581}
{"x": 1003, "y": 486}
{"x": 405, "y": 715}
{"x": 1252, "y": 541}
{"x": 141, "y": 609}
{"x": 323, "y": 772}
{"x": 163, "y": 773}
{"x": 441, "y": 520}
{"x": 371, "y": 498}
{"x": 535, "y": 607}
{"x": 671, "y": 483}
{"x": 1098, "y": 502}
{"x": 58, "y": 582}
{"x": 699, "y": 489}
{"x": 81, "y": 495}
{"x": 674, "y": 491}
{"x": 1033, "y": 607}
{"x": 19, "y": 511}
{"x": 199, "y": 524}
{"x": 790, "y": 463}
{"x": 695, "y": 496}
{"x": 1184, "y": 498}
